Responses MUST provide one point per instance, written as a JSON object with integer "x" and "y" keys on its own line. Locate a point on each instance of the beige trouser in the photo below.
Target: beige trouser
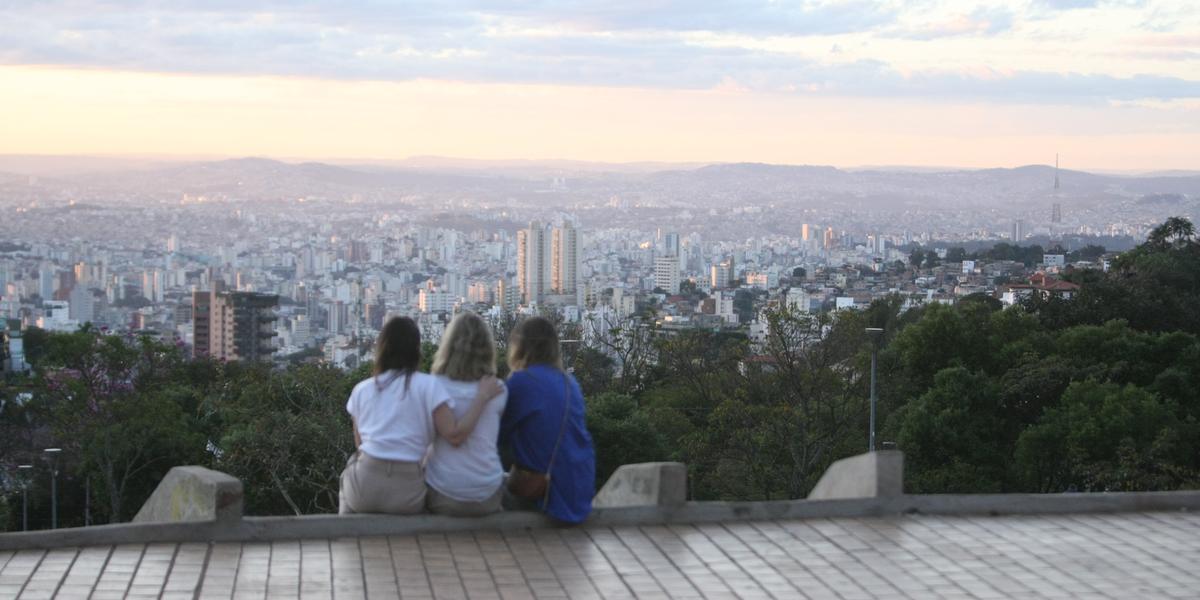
{"x": 442, "y": 504}
{"x": 374, "y": 485}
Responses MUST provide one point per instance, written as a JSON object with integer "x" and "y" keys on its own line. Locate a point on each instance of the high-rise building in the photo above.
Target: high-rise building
{"x": 804, "y": 232}
{"x": 666, "y": 273}
{"x": 82, "y": 304}
{"x": 719, "y": 276}
{"x": 506, "y": 295}
{"x": 828, "y": 240}
{"x": 671, "y": 244}
{"x": 532, "y": 266}
{"x": 1056, "y": 213}
{"x": 672, "y": 248}
{"x": 564, "y": 259}
{"x": 434, "y": 301}
{"x": 300, "y": 330}
{"x": 233, "y": 325}
{"x": 46, "y": 282}
{"x": 152, "y": 285}
{"x": 1018, "y": 231}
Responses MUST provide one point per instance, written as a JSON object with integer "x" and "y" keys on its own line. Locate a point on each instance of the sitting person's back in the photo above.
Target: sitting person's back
{"x": 544, "y": 422}
{"x": 464, "y": 473}
{"x": 395, "y": 414}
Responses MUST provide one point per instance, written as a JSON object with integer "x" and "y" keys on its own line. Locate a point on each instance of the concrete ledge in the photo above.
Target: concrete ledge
{"x": 644, "y": 484}
{"x": 252, "y": 529}
{"x": 193, "y": 494}
{"x": 871, "y": 475}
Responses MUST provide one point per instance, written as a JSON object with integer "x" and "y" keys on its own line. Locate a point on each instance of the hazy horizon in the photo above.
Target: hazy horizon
{"x": 434, "y": 162}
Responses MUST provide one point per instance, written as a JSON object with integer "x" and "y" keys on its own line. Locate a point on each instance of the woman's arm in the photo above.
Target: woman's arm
{"x": 357, "y": 438}
{"x": 456, "y": 431}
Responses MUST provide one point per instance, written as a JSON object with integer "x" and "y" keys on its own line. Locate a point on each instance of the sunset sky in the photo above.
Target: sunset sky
{"x": 1108, "y": 84}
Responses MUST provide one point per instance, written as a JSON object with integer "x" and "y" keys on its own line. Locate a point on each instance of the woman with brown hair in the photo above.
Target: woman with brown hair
{"x": 393, "y": 417}
{"x": 555, "y": 465}
{"x": 464, "y": 472}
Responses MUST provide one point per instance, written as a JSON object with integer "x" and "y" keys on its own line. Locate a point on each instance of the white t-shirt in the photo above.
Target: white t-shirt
{"x": 395, "y": 423}
{"x": 471, "y": 472}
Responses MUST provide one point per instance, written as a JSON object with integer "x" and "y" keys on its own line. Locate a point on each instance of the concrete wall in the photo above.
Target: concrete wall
{"x": 193, "y": 494}
{"x": 644, "y": 484}
{"x": 872, "y": 475}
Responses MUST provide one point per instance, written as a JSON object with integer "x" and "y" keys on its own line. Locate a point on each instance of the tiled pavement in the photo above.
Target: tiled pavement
{"x": 1136, "y": 555}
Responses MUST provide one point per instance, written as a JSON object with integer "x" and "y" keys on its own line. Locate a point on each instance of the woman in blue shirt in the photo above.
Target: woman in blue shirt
{"x": 534, "y": 423}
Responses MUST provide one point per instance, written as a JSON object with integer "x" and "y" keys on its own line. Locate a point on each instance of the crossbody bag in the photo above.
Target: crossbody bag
{"x": 534, "y": 485}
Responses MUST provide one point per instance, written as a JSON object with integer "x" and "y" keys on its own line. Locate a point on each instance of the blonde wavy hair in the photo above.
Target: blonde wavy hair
{"x": 467, "y": 351}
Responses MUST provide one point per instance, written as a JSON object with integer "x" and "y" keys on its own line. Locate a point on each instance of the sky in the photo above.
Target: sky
{"x": 1108, "y": 84}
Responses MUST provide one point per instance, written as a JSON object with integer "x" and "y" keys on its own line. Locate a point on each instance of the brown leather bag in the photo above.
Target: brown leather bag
{"x": 534, "y": 485}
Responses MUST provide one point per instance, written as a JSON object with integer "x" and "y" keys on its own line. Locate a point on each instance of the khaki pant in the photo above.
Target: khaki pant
{"x": 442, "y": 504}
{"x": 374, "y": 485}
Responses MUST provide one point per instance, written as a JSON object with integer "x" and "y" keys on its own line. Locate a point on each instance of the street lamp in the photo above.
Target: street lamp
{"x": 24, "y": 497}
{"x": 875, "y": 333}
{"x": 52, "y": 456}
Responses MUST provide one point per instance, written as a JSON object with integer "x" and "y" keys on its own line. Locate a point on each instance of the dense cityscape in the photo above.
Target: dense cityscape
{"x": 307, "y": 261}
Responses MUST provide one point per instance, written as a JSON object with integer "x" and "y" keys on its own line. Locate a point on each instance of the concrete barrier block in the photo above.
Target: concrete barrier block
{"x": 871, "y": 475}
{"x": 644, "y": 484}
{"x": 194, "y": 494}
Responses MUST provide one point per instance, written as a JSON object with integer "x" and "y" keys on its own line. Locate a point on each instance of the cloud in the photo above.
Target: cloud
{"x": 981, "y": 22}
{"x": 617, "y": 43}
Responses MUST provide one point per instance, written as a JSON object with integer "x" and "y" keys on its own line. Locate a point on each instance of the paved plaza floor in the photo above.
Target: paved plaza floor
{"x": 1130, "y": 555}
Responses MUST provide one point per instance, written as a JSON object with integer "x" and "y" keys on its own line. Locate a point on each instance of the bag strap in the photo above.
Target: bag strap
{"x": 562, "y": 429}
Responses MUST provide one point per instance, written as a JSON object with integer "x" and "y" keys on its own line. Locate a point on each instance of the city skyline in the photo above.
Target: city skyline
{"x": 1110, "y": 85}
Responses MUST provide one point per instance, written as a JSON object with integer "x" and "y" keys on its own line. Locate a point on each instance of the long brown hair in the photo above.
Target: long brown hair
{"x": 398, "y": 349}
{"x": 467, "y": 351}
{"x": 534, "y": 342}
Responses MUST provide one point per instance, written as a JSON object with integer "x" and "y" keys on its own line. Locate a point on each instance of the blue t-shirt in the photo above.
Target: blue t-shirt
{"x": 530, "y": 424}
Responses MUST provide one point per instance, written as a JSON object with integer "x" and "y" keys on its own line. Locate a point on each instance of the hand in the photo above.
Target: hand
{"x": 489, "y": 387}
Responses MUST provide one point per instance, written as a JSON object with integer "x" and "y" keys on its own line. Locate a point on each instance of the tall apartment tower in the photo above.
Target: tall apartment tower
{"x": 1018, "y": 231}
{"x": 233, "y": 325}
{"x": 564, "y": 259}
{"x": 666, "y": 273}
{"x": 804, "y": 232}
{"x": 671, "y": 241}
{"x": 532, "y": 266}
{"x": 721, "y": 274}
{"x": 673, "y": 248}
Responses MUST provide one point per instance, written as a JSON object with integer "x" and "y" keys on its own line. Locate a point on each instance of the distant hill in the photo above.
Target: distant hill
{"x": 718, "y": 183}
{"x": 705, "y": 186}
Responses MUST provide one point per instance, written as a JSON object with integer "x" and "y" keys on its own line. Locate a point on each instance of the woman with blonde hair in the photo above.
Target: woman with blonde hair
{"x": 554, "y": 463}
{"x": 394, "y": 414}
{"x": 464, "y": 472}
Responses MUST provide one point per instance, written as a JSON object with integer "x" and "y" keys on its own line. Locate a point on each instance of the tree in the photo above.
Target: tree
{"x": 294, "y": 468}
{"x": 1108, "y": 437}
{"x": 621, "y": 433}
{"x": 628, "y": 341}
{"x": 949, "y": 438}
{"x": 931, "y": 259}
{"x": 594, "y": 370}
{"x": 916, "y": 257}
{"x": 956, "y": 255}
{"x": 112, "y": 403}
{"x": 1174, "y": 232}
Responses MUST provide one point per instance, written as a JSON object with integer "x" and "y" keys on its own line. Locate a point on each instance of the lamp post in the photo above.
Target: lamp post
{"x": 875, "y": 333}
{"x": 24, "y": 497}
{"x": 52, "y": 456}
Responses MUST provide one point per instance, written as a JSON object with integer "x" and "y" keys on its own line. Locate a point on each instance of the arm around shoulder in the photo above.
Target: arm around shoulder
{"x": 456, "y": 431}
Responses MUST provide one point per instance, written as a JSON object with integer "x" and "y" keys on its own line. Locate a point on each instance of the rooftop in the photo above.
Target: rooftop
{"x": 1096, "y": 555}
